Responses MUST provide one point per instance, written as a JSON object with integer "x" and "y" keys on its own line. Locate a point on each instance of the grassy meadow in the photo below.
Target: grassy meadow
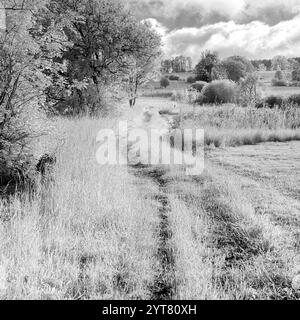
{"x": 88, "y": 234}
{"x": 152, "y": 232}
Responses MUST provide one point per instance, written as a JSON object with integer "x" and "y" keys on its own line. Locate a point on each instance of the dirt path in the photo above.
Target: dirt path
{"x": 164, "y": 284}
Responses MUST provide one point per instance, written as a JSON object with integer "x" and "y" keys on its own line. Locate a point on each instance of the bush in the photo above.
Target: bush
{"x": 296, "y": 75}
{"x": 294, "y": 84}
{"x": 247, "y": 91}
{"x": 191, "y": 79}
{"x": 279, "y": 75}
{"x": 294, "y": 99}
{"x": 220, "y": 91}
{"x": 164, "y": 82}
{"x": 271, "y": 102}
{"x": 17, "y": 136}
{"x": 279, "y": 83}
{"x": 199, "y": 85}
{"x": 174, "y": 78}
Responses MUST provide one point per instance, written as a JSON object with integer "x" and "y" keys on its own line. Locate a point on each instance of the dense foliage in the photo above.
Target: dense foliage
{"x": 164, "y": 82}
{"x": 61, "y": 57}
{"x": 219, "y": 91}
{"x": 205, "y": 66}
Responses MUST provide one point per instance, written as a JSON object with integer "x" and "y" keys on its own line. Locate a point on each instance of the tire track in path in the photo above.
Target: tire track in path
{"x": 164, "y": 284}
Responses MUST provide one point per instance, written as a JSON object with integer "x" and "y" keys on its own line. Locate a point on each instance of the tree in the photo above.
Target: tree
{"x": 219, "y": 72}
{"x": 280, "y": 63}
{"x": 189, "y": 65}
{"x": 167, "y": 66}
{"x": 164, "y": 82}
{"x": 105, "y": 39}
{"x": 237, "y": 67}
{"x": 28, "y": 66}
{"x": 266, "y": 62}
{"x": 205, "y": 66}
{"x": 235, "y": 70}
{"x": 247, "y": 63}
{"x": 296, "y": 75}
{"x": 262, "y": 67}
{"x": 293, "y": 64}
{"x": 145, "y": 65}
{"x": 247, "y": 91}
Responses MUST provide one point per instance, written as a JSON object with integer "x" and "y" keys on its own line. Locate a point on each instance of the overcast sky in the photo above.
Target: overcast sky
{"x": 253, "y": 28}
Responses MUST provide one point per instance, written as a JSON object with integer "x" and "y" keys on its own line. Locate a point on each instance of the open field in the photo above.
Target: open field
{"x": 153, "y": 88}
{"x": 152, "y": 232}
{"x": 266, "y": 77}
{"x": 109, "y": 232}
{"x": 119, "y": 182}
{"x": 280, "y": 91}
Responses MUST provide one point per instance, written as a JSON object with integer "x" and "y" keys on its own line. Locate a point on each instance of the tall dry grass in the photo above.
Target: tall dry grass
{"x": 232, "y": 126}
{"x": 234, "y": 117}
{"x": 88, "y": 233}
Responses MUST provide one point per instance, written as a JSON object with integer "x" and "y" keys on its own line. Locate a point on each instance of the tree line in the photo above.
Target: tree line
{"x": 177, "y": 64}
{"x": 211, "y": 67}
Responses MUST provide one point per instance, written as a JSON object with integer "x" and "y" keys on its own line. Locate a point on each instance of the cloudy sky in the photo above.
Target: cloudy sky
{"x": 253, "y": 28}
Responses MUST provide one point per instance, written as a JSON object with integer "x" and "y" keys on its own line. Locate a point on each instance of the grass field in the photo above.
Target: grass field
{"x": 152, "y": 232}
{"x": 280, "y": 91}
{"x": 153, "y": 89}
{"x": 89, "y": 234}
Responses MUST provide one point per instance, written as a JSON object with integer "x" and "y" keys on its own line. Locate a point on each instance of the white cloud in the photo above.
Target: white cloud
{"x": 254, "y": 28}
{"x": 197, "y": 13}
{"x": 254, "y": 40}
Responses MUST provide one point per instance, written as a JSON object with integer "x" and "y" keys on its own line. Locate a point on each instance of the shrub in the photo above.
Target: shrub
{"x": 174, "y": 78}
{"x": 17, "y": 136}
{"x": 191, "y": 79}
{"x": 279, "y": 83}
{"x": 164, "y": 82}
{"x": 279, "y": 75}
{"x": 273, "y": 101}
{"x": 294, "y": 99}
{"x": 247, "y": 91}
{"x": 27, "y": 71}
{"x": 294, "y": 84}
{"x": 219, "y": 91}
{"x": 199, "y": 85}
{"x": 296, "y": 75}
